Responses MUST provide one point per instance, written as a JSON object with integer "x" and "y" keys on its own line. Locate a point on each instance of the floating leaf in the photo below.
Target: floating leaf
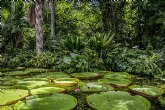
{"x": 112, "y": 100}
{"x": 32, "y": 84}
{"x": 147, "y": 91}
{"x": 116, "y": 82}
{"x": 54, "y": 75}
{"x": 46, "y": 90}
{"x": 66, "y": 81}
{"x": 10, "y": 96}
{"x": 54, "y": 102}
{"x": 86, "y": 75}
{"x": 118, "y": 75}
{"x": 17, "y": 73}
{"x": 95, "y": 87}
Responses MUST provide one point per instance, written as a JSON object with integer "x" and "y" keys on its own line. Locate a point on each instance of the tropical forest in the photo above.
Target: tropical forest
{"x": 82, "y": 55}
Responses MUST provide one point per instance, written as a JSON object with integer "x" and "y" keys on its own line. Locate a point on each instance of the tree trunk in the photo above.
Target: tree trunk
{"x": 38, "y": 26}
{"x": 52, "y": 8}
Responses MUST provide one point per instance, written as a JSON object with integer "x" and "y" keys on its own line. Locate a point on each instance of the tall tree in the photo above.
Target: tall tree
{"x": 38, "y": 25}
{"x": 52, "y": 8}
{"x": 36, "y": 19}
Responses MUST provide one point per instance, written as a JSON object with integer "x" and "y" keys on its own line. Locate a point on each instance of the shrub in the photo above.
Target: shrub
{"x": 73, "y": 63}
{"x": 18, "y": 59}
{"x": 44, "y": 60}
{"x": 133, "y": 61}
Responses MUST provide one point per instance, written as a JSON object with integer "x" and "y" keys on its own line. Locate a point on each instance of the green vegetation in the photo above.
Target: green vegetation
{"x": 10, "y": 96}
{"x": 54, "y": 102}
{"x": 147, "y": 90}
{"x": 46, "y": 90}
{"x": 95, "y": 87}
{"x": 116, "y": 82}
{"x": 117, "y": 100}
{"x": 66, "y": 81}
{"x": 87, "y": 75}
{"x": 79, "y": 48}
{"x": 29, "y": 91}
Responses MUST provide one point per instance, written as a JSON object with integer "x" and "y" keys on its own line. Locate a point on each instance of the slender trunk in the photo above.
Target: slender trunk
{"x": 38, "y": 26}
{"x": 52, "y": 8}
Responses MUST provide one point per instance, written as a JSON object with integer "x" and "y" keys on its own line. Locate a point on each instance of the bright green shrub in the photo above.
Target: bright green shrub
{"x": 133, "y": 61}
{"x": 44, "y": 60}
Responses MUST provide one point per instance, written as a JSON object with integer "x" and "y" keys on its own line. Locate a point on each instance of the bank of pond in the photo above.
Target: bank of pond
{"x": 44, "y": 89}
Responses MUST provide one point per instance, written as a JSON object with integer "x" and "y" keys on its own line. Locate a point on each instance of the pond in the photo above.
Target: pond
{"x": 42, "y": 89}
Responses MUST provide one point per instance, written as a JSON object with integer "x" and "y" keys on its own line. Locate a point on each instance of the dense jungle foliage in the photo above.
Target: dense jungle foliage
{"x": 82, "y": 35}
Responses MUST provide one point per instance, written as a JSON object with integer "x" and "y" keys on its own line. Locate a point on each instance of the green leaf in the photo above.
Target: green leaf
{"x": 112, "y": 100}
{"x": 54, "y": 102}
{"x": 10, "y": 96}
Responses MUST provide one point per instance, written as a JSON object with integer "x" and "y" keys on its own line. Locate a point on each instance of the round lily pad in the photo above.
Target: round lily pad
{"x": 32, "y": 84}
{"x": 117, "y": 76}
{"x": 104, "y": 72}
{"x": 95, "y": 87}
{"x": 36, "y": 70}
{"x": 147, "y": 91}
{"x": 116, "y": 82}
{"x": 117, "y": 101}
{"x": 86, "y": 75}
{"x": 10, "y": 96}
{"x": 55, "y": 75}
{"x": 55, "y": 102}
{"x": 66, "y": 81}
{"x": 8, "y": 81}
{"x": 46, "y": 90}
{"x": 17, "y": 73}
{"x": 35, "y": 79}
{"x": 8, "y": 70}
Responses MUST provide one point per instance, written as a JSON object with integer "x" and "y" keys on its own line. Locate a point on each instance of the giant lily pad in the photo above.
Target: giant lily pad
{"x": 10, "y": 96}
{"x": 54, "y": 102}
{"x": 35, "y": 79}
{"x": 105, "y": 72}
{"x": 55, "y": 75}
{"x": 95, "y": 87}
{"x": 147, "y": 91}
{"x": 116, "y": 82}
{"x": 87, "y": 75}
{"x": 8, "y": 70}
{"x": 119, "y": 75}
{"x": 117, "y": 101}
{"x": 32, "y": 84}
{"x": 17, "y": 73}
{"x": 36, "y": 70}
{"x": 8, "y": 81}
{"x": 66, "y": 81}
{"x": 46, "y": 90}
